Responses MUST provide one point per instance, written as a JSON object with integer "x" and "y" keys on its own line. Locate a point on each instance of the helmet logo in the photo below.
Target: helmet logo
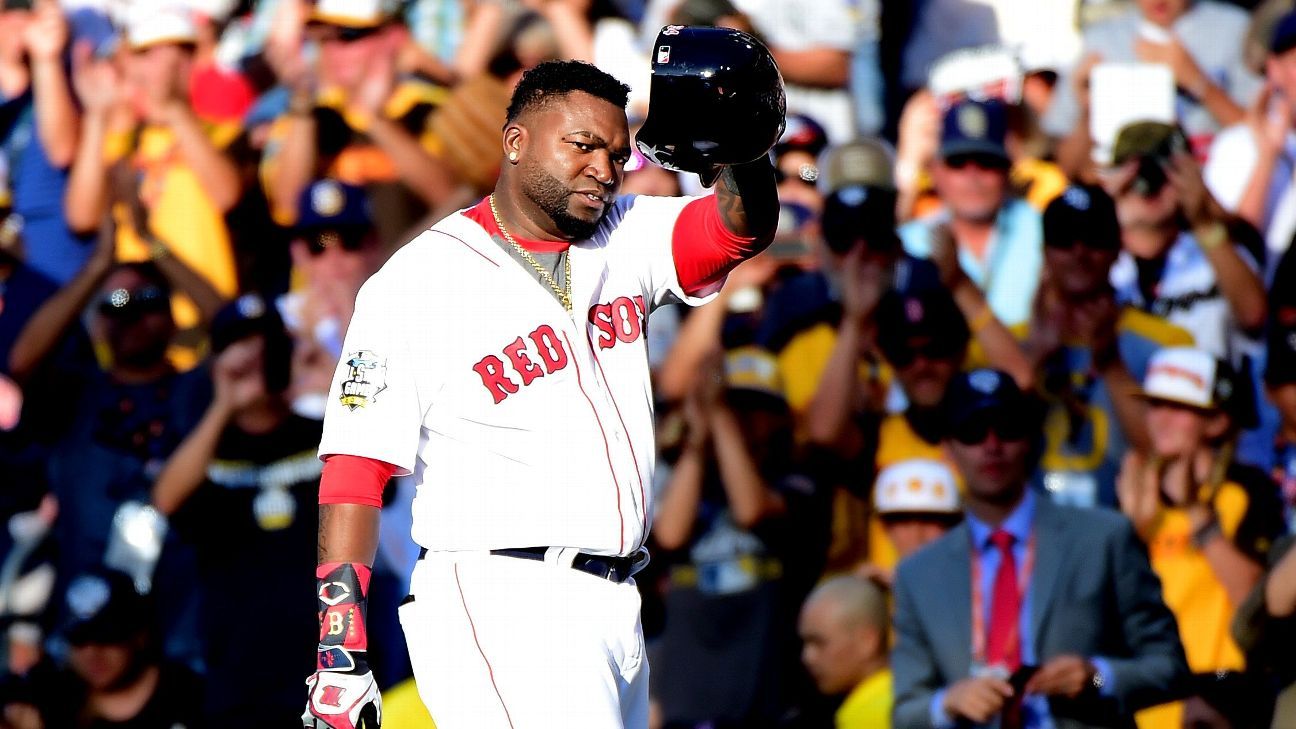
{"x": 663, "y": 54}
{"x": 671, "y": 30}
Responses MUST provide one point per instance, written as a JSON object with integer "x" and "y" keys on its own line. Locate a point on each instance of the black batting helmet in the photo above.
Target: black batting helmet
{"x": 716, "y": 100}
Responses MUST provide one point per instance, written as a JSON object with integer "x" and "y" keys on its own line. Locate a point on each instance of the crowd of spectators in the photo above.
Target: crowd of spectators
{"x": 1001, "y": 428}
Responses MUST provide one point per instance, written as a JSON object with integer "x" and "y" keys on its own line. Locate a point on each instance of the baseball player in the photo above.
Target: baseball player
{"x": 500, "y": 358}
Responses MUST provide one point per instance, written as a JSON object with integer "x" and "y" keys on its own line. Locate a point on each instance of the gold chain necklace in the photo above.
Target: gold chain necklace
{"x": 564, "y": 292}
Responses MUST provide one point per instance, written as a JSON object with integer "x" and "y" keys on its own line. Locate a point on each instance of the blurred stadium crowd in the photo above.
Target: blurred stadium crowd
{"x": 1023, "y": 244}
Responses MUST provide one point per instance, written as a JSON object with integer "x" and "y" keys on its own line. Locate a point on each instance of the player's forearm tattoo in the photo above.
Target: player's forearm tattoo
{"x": 321, "y": 551}
{"x": 747, "y": 196}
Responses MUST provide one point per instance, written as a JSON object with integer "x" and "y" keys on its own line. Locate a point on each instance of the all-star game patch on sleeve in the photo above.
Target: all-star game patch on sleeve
{"x": 374, "y": 409}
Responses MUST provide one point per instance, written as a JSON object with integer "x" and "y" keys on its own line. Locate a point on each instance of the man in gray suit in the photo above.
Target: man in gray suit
{"x": 1070, "y": 628}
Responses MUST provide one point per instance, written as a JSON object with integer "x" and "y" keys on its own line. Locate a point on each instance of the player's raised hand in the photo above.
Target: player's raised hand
{"x": 343, "y": 701}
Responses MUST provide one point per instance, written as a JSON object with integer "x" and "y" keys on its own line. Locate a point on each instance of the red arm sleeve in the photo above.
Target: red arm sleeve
{"x": 354, "y": 480}
{"x": 704, "y": 249}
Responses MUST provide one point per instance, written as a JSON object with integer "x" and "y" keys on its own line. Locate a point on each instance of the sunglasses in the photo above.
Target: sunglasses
{"x": 347, "y": 241}
{"x": 936, "y": 348}
{"x": 977, "y": 429}
{"x": 341, "y": 34}
{"x": 980, "y": 161}
{"x": 125, "y": 303}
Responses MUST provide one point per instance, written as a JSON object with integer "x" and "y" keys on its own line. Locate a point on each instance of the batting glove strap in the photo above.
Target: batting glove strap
{"x": 341, "y": 590}
{"x": 331, "y": 659}
{"x": 343, "y": 701}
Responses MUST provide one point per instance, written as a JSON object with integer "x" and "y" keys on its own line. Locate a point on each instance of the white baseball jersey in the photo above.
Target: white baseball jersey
{"x": 523, "y": 425}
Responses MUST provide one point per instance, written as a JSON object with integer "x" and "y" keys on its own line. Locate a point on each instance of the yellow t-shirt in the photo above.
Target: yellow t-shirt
{"x": 180, "y": 213}
{"x": 1040, "y": 181}
{"x": 360, "y": 162}
{"x": 403, "y": 708}
{"x": 1195, "y": 595}
{"x": 869, "y": 704}
{"x": 1190, "y": 588}
{"x": 897, "y": 442}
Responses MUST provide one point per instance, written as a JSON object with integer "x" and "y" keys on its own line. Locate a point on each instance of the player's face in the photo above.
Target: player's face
{"x": 573, "y": 160}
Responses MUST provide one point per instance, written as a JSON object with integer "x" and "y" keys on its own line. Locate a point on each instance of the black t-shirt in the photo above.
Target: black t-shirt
{"x": 176, "y": 703}
{"x": 729, "y": 641}
{"x": 253, "y": 526}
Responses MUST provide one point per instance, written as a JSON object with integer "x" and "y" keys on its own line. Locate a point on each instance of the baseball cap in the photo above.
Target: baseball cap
{"x": 753, "y": 369}
{"x": 329, "y": 205}
{"x": 1284, "y": 35}
{"x": 1147, "y": 139}
{"x": 929, "y": 314}
{"x": 1082, "y": 214}
{"x": 975, "y": 127}
{"x": 350, "y": 13}
{"x": 866, "y": 162}
{"x": 156, "y": 23}
{"x": 801, "y": 134}
{"x": 243, "y": 317}
{"x": 860, "y": 195}
{"x": 103, "y": 607}
{"x": 1188, "y": 376}
{"x": 916, "y": 486}
{"x": 985, "y": 398}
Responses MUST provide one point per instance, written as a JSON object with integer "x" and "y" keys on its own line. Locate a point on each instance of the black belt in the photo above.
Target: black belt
{"x": 616, "y": 569}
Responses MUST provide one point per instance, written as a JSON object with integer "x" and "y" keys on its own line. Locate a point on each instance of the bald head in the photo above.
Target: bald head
{"x": 853, "y": 601}
{"x": 843, "y": 629}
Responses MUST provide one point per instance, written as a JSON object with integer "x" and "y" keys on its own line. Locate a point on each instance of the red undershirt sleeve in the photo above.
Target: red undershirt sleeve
{"x": 705, "y": 250}
{"x": 354, "y": 480}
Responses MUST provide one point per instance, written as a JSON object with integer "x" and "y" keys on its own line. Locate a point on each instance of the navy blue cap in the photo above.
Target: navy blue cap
{"x": 243, "y": 317}
{"x": 103, "y": 607}
{"x": 1084, "y": 214}
{"x": 1284, "y": 35}
{"x": 903, "y": 317}
{"x": 975, "y": 127}
{"x": 329, "y": 204}
{"x": 802, "y": 133}
{"x": 981, "y": 391}
{"x": 859, "y": 212}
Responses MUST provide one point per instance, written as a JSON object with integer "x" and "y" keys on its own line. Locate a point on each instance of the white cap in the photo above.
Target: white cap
{"x": 153, "y": 23}
{"x": 350, "y": 13}
{"x": 217, "y": 10}
{"x": 1184, "y": 375}
{"x": 917, "y": 485}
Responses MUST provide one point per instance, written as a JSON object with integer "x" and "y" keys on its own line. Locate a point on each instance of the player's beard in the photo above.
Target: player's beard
{"x": 552, "y": 196}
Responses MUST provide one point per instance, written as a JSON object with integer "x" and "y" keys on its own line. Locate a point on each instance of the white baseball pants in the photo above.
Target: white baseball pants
{"x": 508, "y": 643}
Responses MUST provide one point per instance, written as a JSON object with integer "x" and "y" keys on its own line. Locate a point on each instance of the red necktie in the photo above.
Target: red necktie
{"x": 1003, "y": 644}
